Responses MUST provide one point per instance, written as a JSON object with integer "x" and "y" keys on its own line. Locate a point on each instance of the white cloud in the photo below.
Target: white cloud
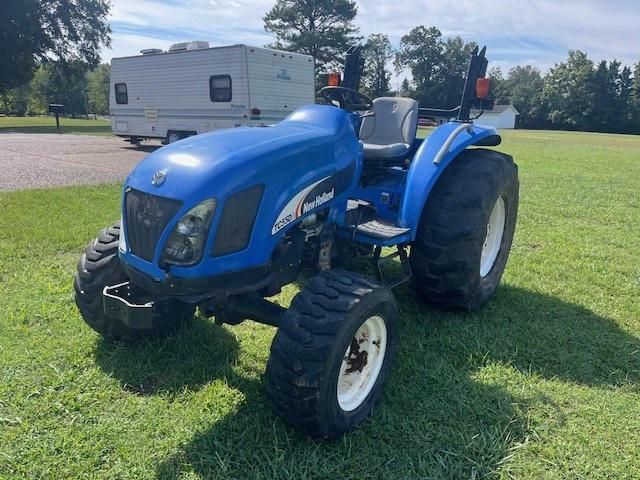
{"x": 537, "y": 32}
{"x": 517, "y": 31}
{"x": 124, "y": 45}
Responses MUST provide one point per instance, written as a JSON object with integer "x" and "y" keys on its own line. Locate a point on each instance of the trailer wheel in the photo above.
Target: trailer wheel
{"x": 466, "y": 230}
{"x": 332, "y": 354}
{"x": 99, "y": 266}
{"x": 173, "y": 137}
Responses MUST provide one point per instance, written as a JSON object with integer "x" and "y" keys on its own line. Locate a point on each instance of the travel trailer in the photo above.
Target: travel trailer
{"x": 192, "y": 89}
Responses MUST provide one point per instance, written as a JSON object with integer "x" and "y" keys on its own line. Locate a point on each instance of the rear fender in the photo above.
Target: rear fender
{"x": 424, "y": 173}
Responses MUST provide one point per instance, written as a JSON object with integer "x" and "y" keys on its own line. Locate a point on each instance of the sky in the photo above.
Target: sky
{"x": 516, "y": 32}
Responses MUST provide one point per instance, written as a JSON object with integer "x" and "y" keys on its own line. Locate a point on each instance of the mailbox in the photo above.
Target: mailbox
{"x": 56, "y": 108}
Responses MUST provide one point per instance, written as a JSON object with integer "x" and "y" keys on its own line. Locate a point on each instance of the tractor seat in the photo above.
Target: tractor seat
{"x": 390, "y": 133}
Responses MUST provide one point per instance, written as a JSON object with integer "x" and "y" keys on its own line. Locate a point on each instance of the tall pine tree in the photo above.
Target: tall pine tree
{"x": 568, "y": 92}
{"x": 438, "y": 67}
{"x": 377, "y": 53}
{"x": 323, "y": 29}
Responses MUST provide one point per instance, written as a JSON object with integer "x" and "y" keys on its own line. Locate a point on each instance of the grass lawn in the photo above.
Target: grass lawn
{"x": 48, "y": 125}
{"x": 541, "y": 383}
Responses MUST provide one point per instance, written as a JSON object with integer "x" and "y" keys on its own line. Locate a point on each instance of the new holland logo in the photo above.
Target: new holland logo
{"x": 159, "y": 177}
{"x": 303, "y": 202}
{"x": 319, "y": 200}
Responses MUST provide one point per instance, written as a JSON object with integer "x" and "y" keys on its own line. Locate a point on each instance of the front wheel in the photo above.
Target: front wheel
{"x": 466, "y": 230}
{"x": 332, "y": 354}
{"x": 100, "y": 267}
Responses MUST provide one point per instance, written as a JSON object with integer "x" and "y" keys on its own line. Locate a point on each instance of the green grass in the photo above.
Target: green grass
{"x": 541, "y": 383}
{"x": 48, "y": 125}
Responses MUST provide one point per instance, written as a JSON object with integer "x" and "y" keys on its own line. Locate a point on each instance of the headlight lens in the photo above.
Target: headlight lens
{"x": 186, "y": 242}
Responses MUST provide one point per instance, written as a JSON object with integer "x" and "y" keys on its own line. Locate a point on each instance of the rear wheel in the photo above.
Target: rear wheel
{"x": 332, "y": 354}
{"x": 100, "y": 267}
{"x": 466, "y": 230}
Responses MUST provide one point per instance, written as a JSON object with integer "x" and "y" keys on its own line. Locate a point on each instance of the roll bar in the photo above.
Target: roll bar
{"x": 353, "y": 67}
{"x": 477, "y": 69}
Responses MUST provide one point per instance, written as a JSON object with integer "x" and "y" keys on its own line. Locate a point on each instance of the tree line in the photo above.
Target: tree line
{"x": 50, "y": 53}
{"x": 79, "y": 88}
{"x": 575, "y": 94}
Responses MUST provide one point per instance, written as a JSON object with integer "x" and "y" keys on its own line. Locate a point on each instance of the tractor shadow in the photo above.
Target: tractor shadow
{"x": 193, "y": 356}
{"x": 539, "y": 334}
{"x": 451, "y": 409}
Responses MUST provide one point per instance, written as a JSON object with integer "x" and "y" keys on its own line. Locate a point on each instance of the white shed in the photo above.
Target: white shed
{"x": 502, "y": 116}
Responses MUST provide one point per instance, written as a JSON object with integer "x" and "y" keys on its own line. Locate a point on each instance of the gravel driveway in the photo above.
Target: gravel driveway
{"x": 46, "y": 160}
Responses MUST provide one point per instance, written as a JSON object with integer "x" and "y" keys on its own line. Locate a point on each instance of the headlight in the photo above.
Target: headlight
{"x": 186, "y": 242}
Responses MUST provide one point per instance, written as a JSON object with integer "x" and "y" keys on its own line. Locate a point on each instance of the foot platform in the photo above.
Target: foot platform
{"x": 380, "y": 229}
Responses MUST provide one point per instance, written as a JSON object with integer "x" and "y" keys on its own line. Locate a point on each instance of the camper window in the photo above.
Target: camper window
{"x": 220, "y": 88}
{"x": 121, "y": 94}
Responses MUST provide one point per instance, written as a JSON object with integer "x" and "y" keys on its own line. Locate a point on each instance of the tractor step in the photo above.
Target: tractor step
{"x": 362, "y": 225}
{"x": 381, "y": 229}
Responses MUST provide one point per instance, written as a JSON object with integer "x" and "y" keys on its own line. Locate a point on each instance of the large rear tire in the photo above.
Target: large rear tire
{"x": 99, "y": 267}
{"x": 466, "y": 230}
{"x": 332, "y": 354}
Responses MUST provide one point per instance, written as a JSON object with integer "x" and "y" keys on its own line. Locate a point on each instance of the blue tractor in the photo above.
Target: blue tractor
{"x": 222, "y": 221}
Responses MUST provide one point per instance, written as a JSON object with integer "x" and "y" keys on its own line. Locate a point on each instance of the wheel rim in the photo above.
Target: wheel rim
{"x": 173, "y": 138}
{"x": 361, "y": 363}
{"x": 493, "y": 239}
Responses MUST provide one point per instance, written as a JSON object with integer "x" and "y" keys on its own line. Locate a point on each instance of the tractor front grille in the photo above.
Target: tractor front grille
{"x": 146, "y": 218}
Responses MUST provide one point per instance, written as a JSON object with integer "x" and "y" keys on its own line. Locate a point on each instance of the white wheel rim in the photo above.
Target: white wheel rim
{"x": 173, "y": 138}
{"x": 493, "y": 239}
{"x": 361, "y": 363}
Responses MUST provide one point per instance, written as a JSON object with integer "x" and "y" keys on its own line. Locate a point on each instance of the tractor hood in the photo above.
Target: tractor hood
{"x": 306, "y": 162}
{"x": 218, "y": 163}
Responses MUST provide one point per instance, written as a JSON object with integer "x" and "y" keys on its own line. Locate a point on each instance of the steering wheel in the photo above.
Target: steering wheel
{"x": 348, "y": 99}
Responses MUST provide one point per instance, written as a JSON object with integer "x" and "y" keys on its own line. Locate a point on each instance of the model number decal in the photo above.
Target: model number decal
{"x": 309, "y": 198}
{"x": 281, "y": 223}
